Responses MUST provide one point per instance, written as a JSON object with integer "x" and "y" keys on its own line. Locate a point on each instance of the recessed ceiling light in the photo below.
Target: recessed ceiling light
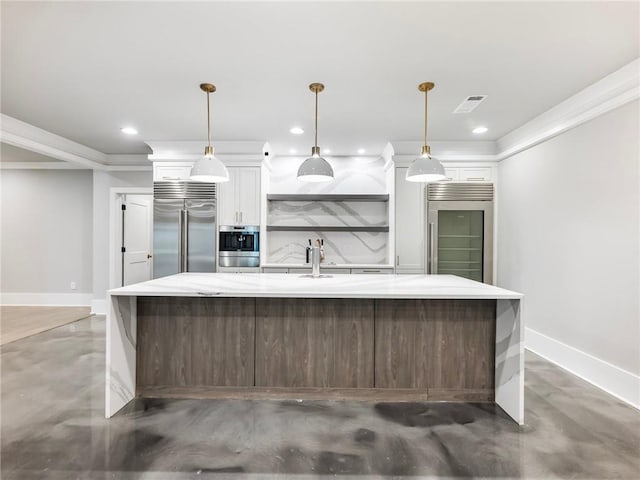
{"x": 293, "y": 151}
{"x": 296, "y": 130}
{"x": 480, "y": 130}
{"x": 361, "y": 151}
{"x": 129, "y": 130}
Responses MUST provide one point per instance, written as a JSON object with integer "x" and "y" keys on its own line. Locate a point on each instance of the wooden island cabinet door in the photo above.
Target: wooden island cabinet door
{"x": 195, "y": 342}
{"x": 322, "y": 342}
{"x": 446, "y": 346}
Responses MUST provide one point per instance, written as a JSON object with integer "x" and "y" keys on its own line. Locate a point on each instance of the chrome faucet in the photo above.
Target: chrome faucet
{"x": 315, "y": 262}
{"x": 317, "y": 256}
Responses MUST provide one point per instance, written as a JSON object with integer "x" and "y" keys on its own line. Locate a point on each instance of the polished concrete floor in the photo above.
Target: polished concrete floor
{"x": 53, "y": 428}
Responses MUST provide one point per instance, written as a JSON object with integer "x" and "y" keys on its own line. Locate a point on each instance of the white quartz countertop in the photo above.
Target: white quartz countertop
{"x": 304, "y": 286}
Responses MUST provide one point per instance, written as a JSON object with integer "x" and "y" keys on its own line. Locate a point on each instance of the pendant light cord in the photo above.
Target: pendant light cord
{"x": 426, "y": 93}
{"x": 315, "y": 141}
{"x": 208, "y": 122}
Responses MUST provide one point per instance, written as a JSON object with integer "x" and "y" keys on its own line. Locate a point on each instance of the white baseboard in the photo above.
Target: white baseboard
{"x": 614, "y": 380}
{"x": 47, "y": 299}
{"x": 99, "y": 306}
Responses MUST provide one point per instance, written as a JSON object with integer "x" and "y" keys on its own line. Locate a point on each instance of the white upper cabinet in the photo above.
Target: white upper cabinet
{"x": 166, "y": 172}
{"x": 468, "y": 174}
{"x": 475, "y": 174}
{"x": 239, "y": 198}
{"x": 410, "y": 213}
{"x": 452, "y": 174}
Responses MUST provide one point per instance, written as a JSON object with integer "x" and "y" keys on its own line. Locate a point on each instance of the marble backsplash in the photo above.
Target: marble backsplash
{"x": 328, "y": 213}
{"x": 339, "y": 247}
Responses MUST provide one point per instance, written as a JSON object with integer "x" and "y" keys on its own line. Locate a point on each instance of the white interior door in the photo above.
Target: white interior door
{"x": 136, "y": 239}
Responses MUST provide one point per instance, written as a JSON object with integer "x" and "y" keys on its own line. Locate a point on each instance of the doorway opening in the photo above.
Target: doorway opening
{"x": 131, "y": 236}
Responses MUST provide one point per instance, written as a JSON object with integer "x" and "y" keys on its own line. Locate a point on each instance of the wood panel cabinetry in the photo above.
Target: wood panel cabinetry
{"x": 442, "y": 345}
{"x": 442, "y": 348}
{"x": 189, "y": 342}
{"x": 239, "y": 198}
{"x": 314, "y": 343}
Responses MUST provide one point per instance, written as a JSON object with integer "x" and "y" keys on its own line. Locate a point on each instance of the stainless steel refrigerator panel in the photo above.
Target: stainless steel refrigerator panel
{"x": 200, "y": 235}
{"x": 167, "y": 216}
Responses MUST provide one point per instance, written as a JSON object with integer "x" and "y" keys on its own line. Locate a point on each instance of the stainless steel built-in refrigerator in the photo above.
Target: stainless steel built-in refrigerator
{"x": 460, "y": 230}
{"x": 184, "y": 228}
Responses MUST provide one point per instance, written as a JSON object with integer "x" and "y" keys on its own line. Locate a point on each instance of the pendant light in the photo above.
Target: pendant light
{"x": 315, "y": 168}
{"x": 425, "y": 168}
{"x": 209, "y": 168}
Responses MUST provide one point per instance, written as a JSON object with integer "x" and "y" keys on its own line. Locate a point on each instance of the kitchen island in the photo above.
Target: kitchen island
{"x": 367, "y": 337}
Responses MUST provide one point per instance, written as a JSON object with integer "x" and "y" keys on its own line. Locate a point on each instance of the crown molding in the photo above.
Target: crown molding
{"x": 20, "y": 134}
{"x": 163, "y": 150}
{"x": 40, "y": 166}
{"x": 613, "y": 91}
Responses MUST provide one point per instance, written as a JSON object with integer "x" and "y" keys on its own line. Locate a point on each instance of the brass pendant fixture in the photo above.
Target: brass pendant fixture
{"x": 209, "y": 168}
{"x": 315, "y": 168}
{"x": 425, "y": 168}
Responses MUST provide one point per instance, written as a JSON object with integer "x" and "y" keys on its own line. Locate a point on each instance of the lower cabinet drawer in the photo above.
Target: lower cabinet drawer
{"x": 274, "y": 270}
{"x": 385, "y": 271}
{"x": 323, "y": 270}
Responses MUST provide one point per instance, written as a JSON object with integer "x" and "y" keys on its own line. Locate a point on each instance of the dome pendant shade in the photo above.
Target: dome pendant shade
{"x": 315, "y": 168}
{"x": 425, "y": 168}
{"x": 209, "y": 168}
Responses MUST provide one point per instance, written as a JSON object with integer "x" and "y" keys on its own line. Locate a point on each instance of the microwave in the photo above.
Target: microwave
{"x": 239, "y": 246}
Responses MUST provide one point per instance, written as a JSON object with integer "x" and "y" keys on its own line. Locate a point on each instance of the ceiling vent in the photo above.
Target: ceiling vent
{"x": 469, "y": 104}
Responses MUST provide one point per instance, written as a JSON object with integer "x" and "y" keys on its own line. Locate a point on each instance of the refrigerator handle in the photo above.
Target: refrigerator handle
{"x": 186, "y": 242}
{"x": 431, "y": 247}
{"x": 180, "y": 234}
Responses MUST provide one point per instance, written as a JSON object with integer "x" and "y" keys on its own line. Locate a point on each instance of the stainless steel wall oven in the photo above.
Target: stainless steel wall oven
{"x": 239, "y": 246}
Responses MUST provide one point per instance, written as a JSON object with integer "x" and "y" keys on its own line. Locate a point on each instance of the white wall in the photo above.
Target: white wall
{"x": 102, "y": 184}
{"x": 46, "y": 235}
{"x": 568, "y": 238}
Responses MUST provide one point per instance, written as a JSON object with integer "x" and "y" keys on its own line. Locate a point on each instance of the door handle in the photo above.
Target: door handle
{"x": 186, "y": 241}
{"x": 180, "y": 241}
{"x": 431, "y": 246}
{"x": 149, "y": 256}
{"x": 241, "y": 218}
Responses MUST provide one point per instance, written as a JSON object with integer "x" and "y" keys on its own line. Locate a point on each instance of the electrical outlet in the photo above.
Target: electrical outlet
{"x": 73, "y": 285}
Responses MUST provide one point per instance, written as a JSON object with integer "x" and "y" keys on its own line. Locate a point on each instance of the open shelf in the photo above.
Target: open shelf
{"x": 465, "y": 262}
{"x": 467, "y": 270}
{"x": 303, "y": 197}
{"x": 459, "y": 236}
{"x": 325, "y": 228}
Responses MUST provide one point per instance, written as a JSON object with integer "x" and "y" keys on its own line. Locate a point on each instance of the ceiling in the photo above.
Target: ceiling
{"x": 84, "y": 69}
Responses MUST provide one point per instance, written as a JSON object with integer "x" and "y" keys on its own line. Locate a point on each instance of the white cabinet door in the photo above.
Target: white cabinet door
{"x": 368, "y": 271}
{"x": 248, "y": 187}
{"x": 275, "y": 270}
{"x": 239, "y": 198}
{"x": 410, "y": 211}
{"x": 452, "y": 174}
{"x": 165, "y": 173}
{"x": 226, "y": 198}
{"x": 476, "y": 174}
